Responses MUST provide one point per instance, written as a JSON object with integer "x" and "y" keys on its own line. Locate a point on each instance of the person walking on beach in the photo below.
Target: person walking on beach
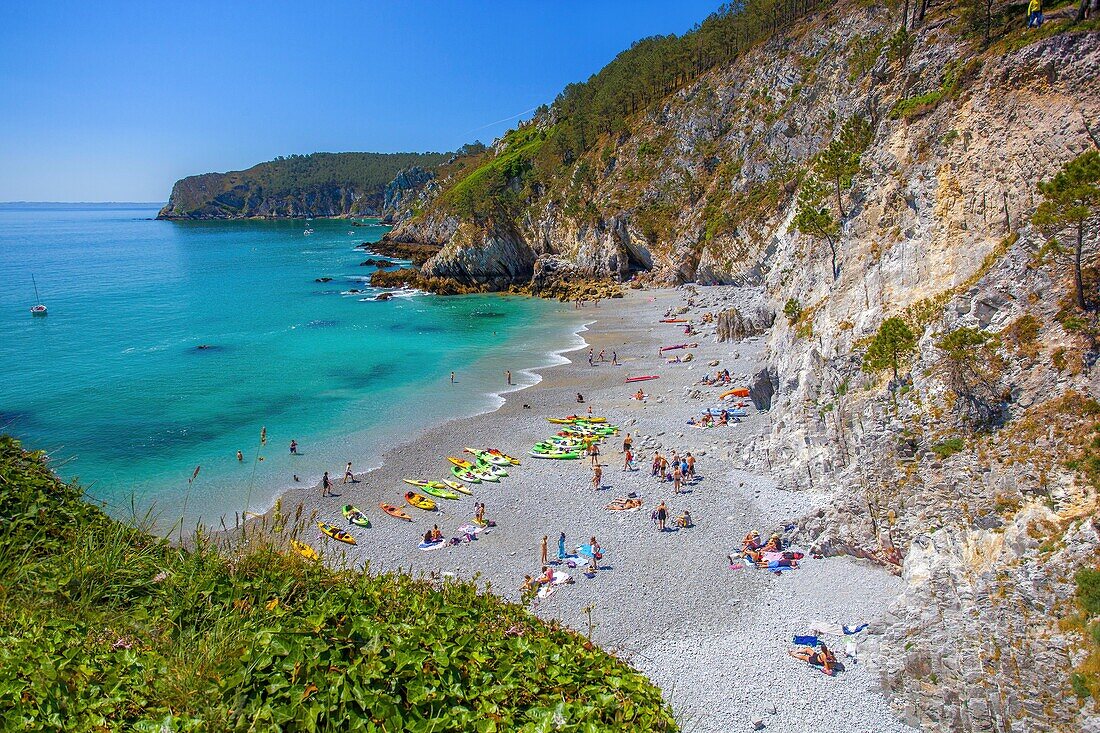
{"x": 543, "y": 555}
{"x": 326, "y": 485}
{"x": 590, "y": 362}
{"x": 561, "y": 547}
{"x": 691, "y": 466}
{"x": 614, "y": 358}
{"x": 628, "y": 460}
{"x": 677, "y": 476}
{"x": 452, "y": 377}
{"x": 601, "y": 357}
{"x": 508, "y": 376}
{"x": 656, "y": 469}
{"x": 240, "y": 457}
{"x": 348, "y": 475}
{"x": 294, "y": 447}
{"x": 662, "y": 516}
{"x": 628, "y": 441}
{"x": 597, "y": 477}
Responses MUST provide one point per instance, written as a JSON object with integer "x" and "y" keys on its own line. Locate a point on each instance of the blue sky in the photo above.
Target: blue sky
{"x": 114, "y": 101}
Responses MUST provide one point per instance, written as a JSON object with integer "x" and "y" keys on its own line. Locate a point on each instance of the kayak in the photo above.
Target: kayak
{"x": 643, "y": 379}
{"x": 675, "y": 320}
{"x": 486, "y": 476}
{"x": 458, "y": 486}
{"x": 487, "y": 457}
{"x": 739, "y": 392}
{"x": 560, "y": 455}
{"x": 439, "y": 491}
{"x": 679, "y": 346}
{"x": 335, "y": 533}
{"x": 304, "y": 550}
{"x": 510, "y": 459}
{"x": 355, "y": 516}
{"x": 418, "y": 501}
{"x": 422, "y": 484}
{"x": 461, "y": 462}
{"x": 465, "y": 475}
{"x": 491, "y": 469}
{"x": 395, "y": 511}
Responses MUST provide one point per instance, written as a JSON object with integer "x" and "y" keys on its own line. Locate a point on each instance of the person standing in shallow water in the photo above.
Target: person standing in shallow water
{"x": 452, "y": 377}
{"x": 508, "y": 376}
{"x": 240, "y": 456}
{"x": 294, "y": 447}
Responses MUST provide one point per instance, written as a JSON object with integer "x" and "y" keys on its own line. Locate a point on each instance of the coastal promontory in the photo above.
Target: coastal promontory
{"x": 321, "y": 184}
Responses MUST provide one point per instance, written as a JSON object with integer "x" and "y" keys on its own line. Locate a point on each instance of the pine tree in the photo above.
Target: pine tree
{"x": 893, "y": 341}
{"x": 1071, "y": 202}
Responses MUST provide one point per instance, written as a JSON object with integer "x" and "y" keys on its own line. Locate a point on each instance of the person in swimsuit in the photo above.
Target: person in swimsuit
{"x": 662, "y": 516}
{"x": 294, "y": 447}
{"x": 326, "y": 485}
{"x": 348, "y": 475}
{"x": 544, "y": 550}
{"x": 597, "y": 477}
{"x": 240, "y": 456}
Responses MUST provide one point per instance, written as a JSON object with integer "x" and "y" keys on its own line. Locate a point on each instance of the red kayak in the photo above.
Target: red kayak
{"x": 643, "y": 379}
{"x": 679, "y": 346}
{"x": 675, "y": 320}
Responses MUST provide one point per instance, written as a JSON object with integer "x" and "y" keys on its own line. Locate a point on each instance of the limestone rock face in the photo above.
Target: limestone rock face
{"x": 733, "y": 325}
{"x": 407, "y": 190}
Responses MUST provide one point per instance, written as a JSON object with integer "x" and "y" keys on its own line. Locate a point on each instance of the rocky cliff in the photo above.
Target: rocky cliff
{"x": 974, "y": 472}
{"x": 322, "y": 184}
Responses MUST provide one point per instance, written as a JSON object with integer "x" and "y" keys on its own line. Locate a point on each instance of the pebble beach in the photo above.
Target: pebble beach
{"x": 713, "y": 637}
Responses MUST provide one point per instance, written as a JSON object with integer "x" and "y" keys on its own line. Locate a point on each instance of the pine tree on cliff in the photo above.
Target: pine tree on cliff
{"x": 891, "y": 344}
{"x": 1071, "y": 203}
{"x": 835, "y": 168}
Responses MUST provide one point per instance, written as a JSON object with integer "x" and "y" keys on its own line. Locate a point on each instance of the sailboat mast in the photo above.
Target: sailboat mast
{"x": 36, "y": 298}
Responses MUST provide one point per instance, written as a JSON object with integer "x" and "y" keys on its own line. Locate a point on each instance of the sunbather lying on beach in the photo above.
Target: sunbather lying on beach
{"x": 821, "y": 657}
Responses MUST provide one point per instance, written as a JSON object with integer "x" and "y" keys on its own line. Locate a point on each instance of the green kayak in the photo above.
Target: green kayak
{"x": 559, "y": 455}
{"x": 439, "y": 491}
{"x": 355, "y": 516}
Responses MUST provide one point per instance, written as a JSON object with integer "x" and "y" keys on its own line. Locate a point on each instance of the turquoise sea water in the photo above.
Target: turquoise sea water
{"x": 112, "y": 383}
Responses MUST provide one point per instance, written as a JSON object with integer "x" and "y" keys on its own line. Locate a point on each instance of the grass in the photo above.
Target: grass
{"x": 955, "y": 76}
{"x": 104, "y": 626}
{"x": 949, "y": 447}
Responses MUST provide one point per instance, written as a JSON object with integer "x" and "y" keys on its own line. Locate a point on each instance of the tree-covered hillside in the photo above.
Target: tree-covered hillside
{"x": 321, "y": 184}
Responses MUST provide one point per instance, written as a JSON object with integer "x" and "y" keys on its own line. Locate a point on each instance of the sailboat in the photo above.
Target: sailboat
{"x": 38, "y": 309}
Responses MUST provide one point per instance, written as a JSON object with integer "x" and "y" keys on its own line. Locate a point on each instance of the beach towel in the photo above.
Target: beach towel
{"x": 471, "y": 529}
{"x": 560, "y": 578}
{"x": 806, "y": 640}
{"x": 432, "y": 545}
{"x": 545, "y": 590}
{"x": 825, "y": 628}
{"x": 848, "y": 630}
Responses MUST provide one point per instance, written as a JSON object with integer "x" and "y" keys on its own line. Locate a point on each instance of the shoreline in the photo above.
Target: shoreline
{"x": 276, "y": 493}
{"x": 713, "y": 638}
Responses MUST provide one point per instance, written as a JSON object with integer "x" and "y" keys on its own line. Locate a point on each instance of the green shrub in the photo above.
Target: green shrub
{"x": 1088, "y": 590}
{"x": 793, "y": 311}
{"x": 948, "y": 448}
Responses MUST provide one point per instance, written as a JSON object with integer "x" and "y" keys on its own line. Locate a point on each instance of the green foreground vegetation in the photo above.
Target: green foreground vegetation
{"x": 104, "y": 626}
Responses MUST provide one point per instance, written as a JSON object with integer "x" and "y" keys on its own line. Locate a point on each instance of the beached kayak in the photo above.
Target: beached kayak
{"x": 419, "y": 501}
{"x": 511, "y": 459}
{"x": 395, "y": 511}
{"x": 560, "y": 455}
{"x": 461, "y": 462}
{"x": 465, "y": 475}
{"x": 646, "y": 378}
{"x": 491, "y": 469}
{"x": 739, "y": 392}
{"x": 335, "y": 533}
{"x": 355, "y": 516}
{"x": 440, "y": 491}
{"x": 459, "y": 487}
{"x": 487, "y": 457}
{"x": 422, "y": 484}
{"x": 304, "y": 550}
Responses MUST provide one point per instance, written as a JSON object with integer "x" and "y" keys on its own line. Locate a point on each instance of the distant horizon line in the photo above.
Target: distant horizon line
{"x": 70, "y": 203}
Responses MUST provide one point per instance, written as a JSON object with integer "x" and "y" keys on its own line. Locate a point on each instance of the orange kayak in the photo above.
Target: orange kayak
{"x": 395, "y": 511}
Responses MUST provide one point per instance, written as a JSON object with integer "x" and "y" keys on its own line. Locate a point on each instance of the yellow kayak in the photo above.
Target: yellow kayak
{"x": 419, "y": 501}
{"x": 304, "y": 550}
{"x": 335, "y": 533}
{"x": 461, "y": 462}
{"x": 458, "y": 486}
